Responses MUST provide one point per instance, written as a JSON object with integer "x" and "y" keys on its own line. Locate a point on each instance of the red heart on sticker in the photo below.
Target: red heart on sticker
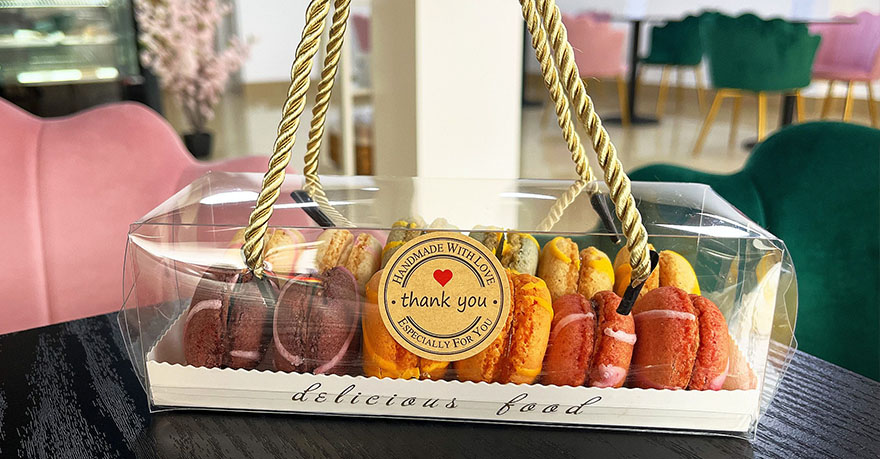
{"x": 442, "y": 276}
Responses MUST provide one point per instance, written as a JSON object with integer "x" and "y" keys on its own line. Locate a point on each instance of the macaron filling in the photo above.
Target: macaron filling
{"x": 629, "y": 338}
{"x": 664, "y": 314}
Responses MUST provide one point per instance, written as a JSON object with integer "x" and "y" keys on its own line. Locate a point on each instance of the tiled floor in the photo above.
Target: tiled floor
{"x": 247, "y": 120}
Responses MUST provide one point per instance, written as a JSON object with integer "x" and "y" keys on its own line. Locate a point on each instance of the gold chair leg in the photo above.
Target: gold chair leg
{"x": 701, "y": 96}
{"x": 707, "y": 123}
{"x": 734, "y": 119}
{"x": 872, "y": 109}
{"x": 621, "y": 95}
{"x": 762, "y": 115}
{"x": 826, "y": 104}
{"x": 664, "y": 88}
{"x": 800, "y": 106}
{"x": 847, "y": 106}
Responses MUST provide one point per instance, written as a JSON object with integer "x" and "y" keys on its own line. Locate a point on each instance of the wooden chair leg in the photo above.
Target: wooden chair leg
{"x": 826, "y": 104}
{"x": 800, "y": 106}
{"x": 621, "y": 96}
{"x": 762, "y": 115}
{"x": 734, "y": 120}
{"x": 872, "y": 107}
{"x": 664, "y": 88}
{"x": 679, "y": 89}
{"x": 707, "y": 123}
{"x": 847, "y": 106}
{"x": 701, "y": 96}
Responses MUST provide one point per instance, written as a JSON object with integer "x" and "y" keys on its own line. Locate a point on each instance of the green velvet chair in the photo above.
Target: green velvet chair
{"x": 747, "y": 54}
{"x": 676, "y": 45}
{"x": 816, "y": 186}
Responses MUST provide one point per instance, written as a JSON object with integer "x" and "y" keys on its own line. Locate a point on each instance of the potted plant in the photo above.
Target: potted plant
{"x": 180, "y": 45}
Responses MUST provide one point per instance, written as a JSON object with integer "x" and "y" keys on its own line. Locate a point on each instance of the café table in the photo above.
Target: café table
{"x": 69, "y": 390}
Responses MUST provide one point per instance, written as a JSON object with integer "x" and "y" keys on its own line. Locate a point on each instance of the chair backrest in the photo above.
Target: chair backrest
{"x": 753, "y": 54}
{"x": 853, "y": 46}
{"x": 677, "y": 43}
{"x": 361, "y": 23}
{"x": 818, "y": 188}
{"x": 598, "y": 47}
{"x": 69, "y": 189}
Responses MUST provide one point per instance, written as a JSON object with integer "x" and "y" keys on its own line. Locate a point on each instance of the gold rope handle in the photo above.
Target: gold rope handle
{"x": 615, "y": 177}
{"x": 293, "y": 108}
{"x": 313, "y": 185}
{"x": 557, "y": 92}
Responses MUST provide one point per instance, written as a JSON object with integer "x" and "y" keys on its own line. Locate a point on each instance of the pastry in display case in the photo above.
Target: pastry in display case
{"x": 45, "y": 42}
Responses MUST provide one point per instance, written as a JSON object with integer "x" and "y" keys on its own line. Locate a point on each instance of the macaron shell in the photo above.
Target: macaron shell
{"x": 559, "y": 266}
{"x": 596, "y": 273}
{"x": 571, "y": 343}
{"x": 739, "y": 374}
{"x": 332, "y": 328}
{"x": 676, "y": 271}
{"x": 364, "y": 259}
{"x": 532, "y": 316}
{"x": 711, "y": 365}
{"x": 622, "y": 279}
{"x": 291, "y": 321}
{"x": 334, "y": 246}
{"x": 615, "y": 338}
{"x": 282, "y": 250}
{"x": 622, "y": 257}
{"x": 248, "y": 331}
{"x": 204, "y": 330}
{"x": 668, "y": 338}
{"x": 382, "y": 356}
{"x": 487, "y": 364}
{"x": 521, "y": 253}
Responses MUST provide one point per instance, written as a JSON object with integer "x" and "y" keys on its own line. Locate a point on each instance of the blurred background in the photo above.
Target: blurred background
{"x": 414, "y": 82}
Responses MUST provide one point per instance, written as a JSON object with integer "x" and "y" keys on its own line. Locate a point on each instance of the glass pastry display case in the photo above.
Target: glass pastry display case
{"x": 50, "y": 42}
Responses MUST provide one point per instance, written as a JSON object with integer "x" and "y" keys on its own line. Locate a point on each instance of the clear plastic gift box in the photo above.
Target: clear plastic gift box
{"x": 185, "y": 255}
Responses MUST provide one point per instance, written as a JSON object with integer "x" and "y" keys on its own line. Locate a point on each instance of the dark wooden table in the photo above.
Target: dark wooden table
{"x": 68, "y": 390}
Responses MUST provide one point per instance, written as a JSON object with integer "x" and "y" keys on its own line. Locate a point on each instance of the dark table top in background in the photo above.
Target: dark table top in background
{"x": 68, "y": 390}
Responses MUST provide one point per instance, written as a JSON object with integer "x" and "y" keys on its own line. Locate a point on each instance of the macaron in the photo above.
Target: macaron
{"x": 517, "y": 354}
{"x": 676, "y": 271}
{"x": 623, "y": 274}
{"x": 489, "y": 236}
{"x": 401, "y": 232}
{"x": 281, "y": 250}
{"x": 520, "y": 253}
{"x": 596, "y": 273}
{"x": 383, "y": 357}
{"x": 364, "y": 258}
{"x": 739, "y": 374}
{"x": 615, "y": 338}
{"x": 487, "y": 364}
{"x": 225, "y": 324}
{"x": 572, "y": 341}
{"x": 315, "y": 324}
{"x": 668, "y": 339}
{"x": 712, "y": 364}
{"x": 559, "y": 266}
{"x": 334, "y": 247}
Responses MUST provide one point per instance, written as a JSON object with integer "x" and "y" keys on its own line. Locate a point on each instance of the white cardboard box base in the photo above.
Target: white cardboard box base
{"x": 173, "y": 384}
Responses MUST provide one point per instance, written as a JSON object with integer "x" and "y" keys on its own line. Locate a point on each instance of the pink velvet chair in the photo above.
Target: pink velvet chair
{"x": 69, "y": 188}
{"x": 851, "y": 53}
{"x": 598, "y": 51}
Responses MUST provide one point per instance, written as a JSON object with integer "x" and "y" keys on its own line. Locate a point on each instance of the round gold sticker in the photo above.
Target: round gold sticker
{"x": 444, "y": 296}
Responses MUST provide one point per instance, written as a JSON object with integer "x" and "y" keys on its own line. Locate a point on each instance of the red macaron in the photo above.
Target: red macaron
{"x": 572, "y": 341}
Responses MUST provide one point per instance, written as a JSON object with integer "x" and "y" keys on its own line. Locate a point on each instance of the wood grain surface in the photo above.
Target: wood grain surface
{"x": 69, "y": 391}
